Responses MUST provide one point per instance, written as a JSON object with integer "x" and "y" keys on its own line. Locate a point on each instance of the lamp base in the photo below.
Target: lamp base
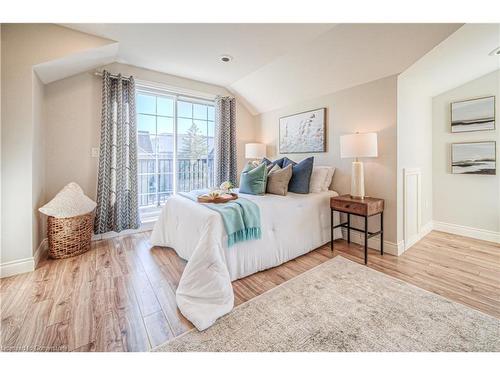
{"x": 358, "y": 198}
{"x": 357, "y": 181}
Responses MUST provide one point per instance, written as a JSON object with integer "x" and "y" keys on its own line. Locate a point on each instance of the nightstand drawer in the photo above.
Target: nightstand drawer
{"x": 364, "y": 207}
{"x": 351, "y": 207}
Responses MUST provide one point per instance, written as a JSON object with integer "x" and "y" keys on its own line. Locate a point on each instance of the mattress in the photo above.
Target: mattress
{"x": 292, "y": 225}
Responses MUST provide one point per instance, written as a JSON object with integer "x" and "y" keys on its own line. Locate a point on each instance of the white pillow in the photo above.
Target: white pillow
{"x": 69, "y": 202}
{"x": 329, "y": 177}
{"x": 318, "y": 177}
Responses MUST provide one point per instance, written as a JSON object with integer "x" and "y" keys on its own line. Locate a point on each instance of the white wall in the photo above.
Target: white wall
{"x": 414, "y": 147}
{"x": 73, "y": 117}
{"x": 460, "y": 58}
{"x": 466, "y": 200}
{"x": 23, "y": 46}
{"x": 370, "y": 107}
{"x": 38, "y": 184}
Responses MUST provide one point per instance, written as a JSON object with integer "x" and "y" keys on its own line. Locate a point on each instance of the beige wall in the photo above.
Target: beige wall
{"x": 369, "y": 107}
{"x": 23, "y": 46}
{"x": 73, "y": 115}
{"x": 466, "y": 200}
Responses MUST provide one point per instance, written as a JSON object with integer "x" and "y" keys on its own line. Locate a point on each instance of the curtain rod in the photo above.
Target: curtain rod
{"x": 176, "y": 91}
{"x": 100, "y": 74}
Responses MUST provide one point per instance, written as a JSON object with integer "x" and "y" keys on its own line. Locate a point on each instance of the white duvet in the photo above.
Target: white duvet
{"x": 291, "y": 225}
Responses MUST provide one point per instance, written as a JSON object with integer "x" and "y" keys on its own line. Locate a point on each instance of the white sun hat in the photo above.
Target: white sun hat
{"x": 69, "y": 202}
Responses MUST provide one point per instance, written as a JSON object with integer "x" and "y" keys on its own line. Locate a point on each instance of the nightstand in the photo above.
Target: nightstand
{"x": 358, "y": 207}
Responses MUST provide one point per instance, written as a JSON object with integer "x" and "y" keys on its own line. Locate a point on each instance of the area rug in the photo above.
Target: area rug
{"x": 343, "y": 306}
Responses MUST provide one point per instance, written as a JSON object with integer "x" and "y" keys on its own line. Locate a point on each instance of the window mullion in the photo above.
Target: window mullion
{"x": 175, "y": 166}
{"x": 157, "y": 153}
{"x": 196, "y": 175}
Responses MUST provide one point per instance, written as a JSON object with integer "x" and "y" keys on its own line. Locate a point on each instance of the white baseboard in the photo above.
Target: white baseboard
{"x": 461, "y": 230}
{"x": 424, "y": 231}
{"x": 374, "y": 243}
{"x": 29, "y": 264}
{"x": 41, "y": 252}
{"x": 145, "y": 226}
{"x": 17, "y": 266}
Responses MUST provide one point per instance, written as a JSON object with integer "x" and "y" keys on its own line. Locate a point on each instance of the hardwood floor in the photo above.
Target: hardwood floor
{"x": 120, "y": 296}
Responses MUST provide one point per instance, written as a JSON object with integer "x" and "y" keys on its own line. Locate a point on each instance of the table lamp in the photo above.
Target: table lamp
{"x": 255, "y": 151}
{"x": 359, "y": 145}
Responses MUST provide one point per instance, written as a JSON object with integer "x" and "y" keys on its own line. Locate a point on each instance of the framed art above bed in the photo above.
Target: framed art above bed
{"x": 303, "y": 132}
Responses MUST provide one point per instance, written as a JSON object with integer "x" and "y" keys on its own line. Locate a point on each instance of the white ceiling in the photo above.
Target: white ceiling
{"x": 274, "y": 64}
{"x": 193, "y": 50}
{"x": 343, "y": 57}
{"x": 463, "y": 57}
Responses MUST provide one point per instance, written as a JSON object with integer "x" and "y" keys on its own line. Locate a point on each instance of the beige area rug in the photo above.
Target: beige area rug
{"x": 343, "y": 306}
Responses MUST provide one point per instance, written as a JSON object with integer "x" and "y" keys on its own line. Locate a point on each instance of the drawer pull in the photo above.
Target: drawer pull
{"x": 347, "y": 205}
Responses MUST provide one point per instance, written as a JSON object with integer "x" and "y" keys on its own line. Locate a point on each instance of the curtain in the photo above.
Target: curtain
{"x": 117, "y": 205}
{"x": 225, "y": 140}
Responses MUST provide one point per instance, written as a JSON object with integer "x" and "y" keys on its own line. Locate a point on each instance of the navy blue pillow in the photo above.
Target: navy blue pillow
{"x": 279, "y": 162}
{"x": 301, "y": 175}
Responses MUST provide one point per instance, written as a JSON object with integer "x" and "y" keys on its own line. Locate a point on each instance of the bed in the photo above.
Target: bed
{"x": 292, "y": 225}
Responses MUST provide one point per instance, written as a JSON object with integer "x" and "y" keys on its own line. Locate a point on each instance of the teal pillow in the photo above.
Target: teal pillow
{"x": 253, "y": 179}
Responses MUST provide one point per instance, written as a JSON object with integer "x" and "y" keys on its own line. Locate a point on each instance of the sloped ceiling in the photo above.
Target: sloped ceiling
{"x": 463, "y": 57}
{"x": 274, "y": 65}
{"x": 343, "y": 57}
{"x": 76, "y": 63}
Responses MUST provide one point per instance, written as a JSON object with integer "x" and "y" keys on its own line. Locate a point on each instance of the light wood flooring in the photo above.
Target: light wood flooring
{"x": 120, "y": 296}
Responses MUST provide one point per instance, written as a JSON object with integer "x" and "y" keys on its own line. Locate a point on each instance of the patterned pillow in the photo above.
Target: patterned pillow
{"x": 301, "y": 175}
{"x": 278, "y": 180}
{"x": 253, "y": 179}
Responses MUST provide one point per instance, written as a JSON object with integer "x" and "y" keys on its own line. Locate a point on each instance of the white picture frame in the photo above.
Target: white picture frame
{"x": 303, "y": 132}
{"x": 473, "y": 158}
{"x": 473, "y": 115}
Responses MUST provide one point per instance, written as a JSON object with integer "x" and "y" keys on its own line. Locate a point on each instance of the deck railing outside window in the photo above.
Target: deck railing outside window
{"x": 175, "y": 138}
{"x": 156, "y": 187}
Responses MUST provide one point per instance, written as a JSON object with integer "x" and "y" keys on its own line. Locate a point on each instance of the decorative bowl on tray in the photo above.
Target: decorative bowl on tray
{"x": 215, "y": 197}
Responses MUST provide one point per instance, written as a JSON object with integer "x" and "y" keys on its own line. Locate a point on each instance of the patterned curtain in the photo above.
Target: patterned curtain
{"x": 117, "y": 206}
{"x": 225, "y": 140}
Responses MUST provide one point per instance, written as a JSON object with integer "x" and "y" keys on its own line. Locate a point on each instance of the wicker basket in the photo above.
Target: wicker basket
{"x": 69, "y": 236}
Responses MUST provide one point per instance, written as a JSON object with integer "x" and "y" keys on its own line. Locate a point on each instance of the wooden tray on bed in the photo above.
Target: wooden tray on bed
{"x": 206, "y": 199}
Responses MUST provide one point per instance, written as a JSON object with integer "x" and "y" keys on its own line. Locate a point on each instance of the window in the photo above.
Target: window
{"x": 175, "y": 138}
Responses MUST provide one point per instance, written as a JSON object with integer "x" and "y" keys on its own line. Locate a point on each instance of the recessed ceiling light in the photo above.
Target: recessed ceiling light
{"x": 495, "y": 52}
{"x": 226, "y": 58}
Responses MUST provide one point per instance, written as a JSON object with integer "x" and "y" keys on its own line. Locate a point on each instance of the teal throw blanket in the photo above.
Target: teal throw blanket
{"x": 241, "y": 217}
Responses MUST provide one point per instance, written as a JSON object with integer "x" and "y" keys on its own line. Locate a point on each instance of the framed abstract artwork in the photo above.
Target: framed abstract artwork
{"x": 473, "y": 115}
{"x": 473, "y": 158}
{"x": 303, "y": 132}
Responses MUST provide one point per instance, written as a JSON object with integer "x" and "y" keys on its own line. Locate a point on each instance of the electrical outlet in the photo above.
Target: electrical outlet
{"x": 95, "y": 152}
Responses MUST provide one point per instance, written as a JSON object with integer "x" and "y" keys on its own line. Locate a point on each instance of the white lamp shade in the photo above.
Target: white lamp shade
{"x": 358, "y": 145}
{"x": 255, "y": 150}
